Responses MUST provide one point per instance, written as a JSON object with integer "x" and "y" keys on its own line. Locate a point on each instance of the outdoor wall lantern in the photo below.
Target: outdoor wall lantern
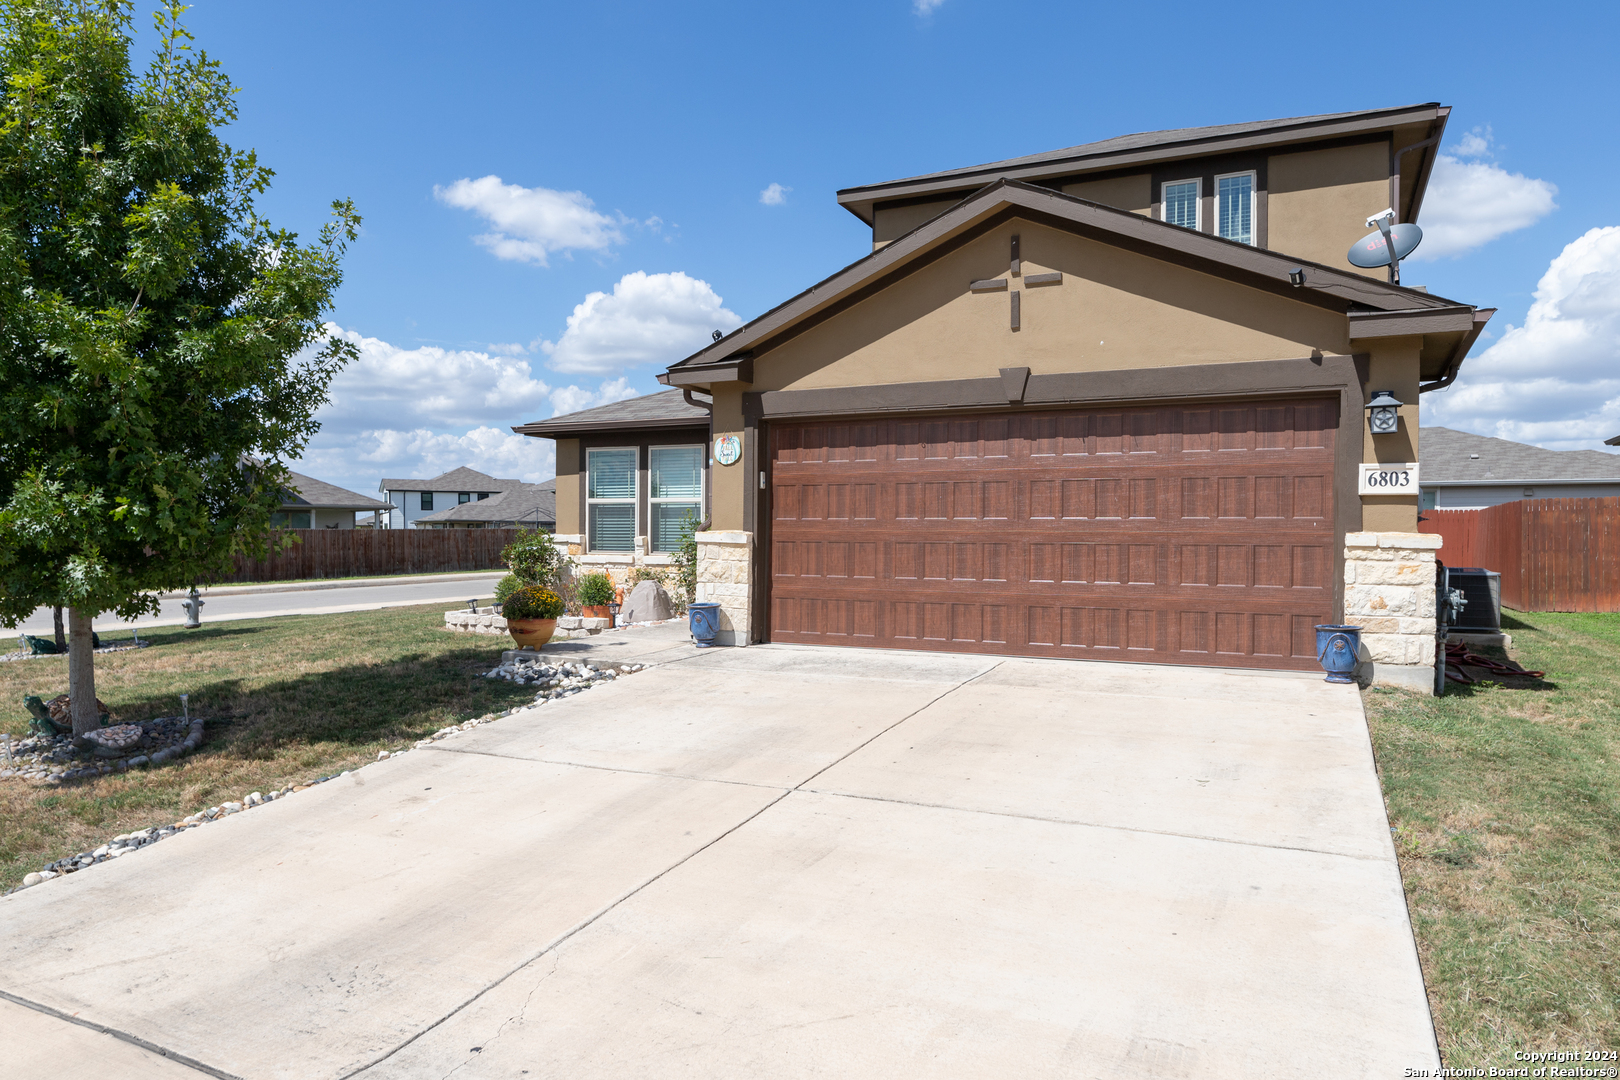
{"x": 1383, "y": 417}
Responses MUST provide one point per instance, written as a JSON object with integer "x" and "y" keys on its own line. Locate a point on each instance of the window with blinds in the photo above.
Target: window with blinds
{"x": 1234, "y": 207}
{"x": 675, "y": 480}
{"x": 1180, "y": 203}
{"x": 610, "y": 496}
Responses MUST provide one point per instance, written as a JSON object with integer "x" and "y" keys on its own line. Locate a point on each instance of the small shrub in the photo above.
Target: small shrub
{"x": 686, "y": 566}
{"x": 595, "y": 590}
{"x": 638, "y": 574}
{"x": 534, "y": 559}
{"x": 506, "y": 587}
{"x": 533, "y": 602}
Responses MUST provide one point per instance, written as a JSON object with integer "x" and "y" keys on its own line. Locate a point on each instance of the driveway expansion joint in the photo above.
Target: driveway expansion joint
{"x": 133, "y": 1040}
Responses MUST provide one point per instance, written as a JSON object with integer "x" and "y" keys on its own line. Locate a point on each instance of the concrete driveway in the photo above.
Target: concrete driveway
{"x": 780, "y": 862}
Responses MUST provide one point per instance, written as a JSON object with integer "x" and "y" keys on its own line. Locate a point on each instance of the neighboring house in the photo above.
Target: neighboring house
{"x": 418, "y": 498}
{"x": 315, "y": 504}
{"x": 1459, "y": 471}
{"x": 646, "y": 465}
{"x": 528, "y": 506}
{"x": 1106, "y": 402}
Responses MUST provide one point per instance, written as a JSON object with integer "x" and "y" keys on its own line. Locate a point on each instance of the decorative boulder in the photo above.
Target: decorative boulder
{"x": 648, "y": 602}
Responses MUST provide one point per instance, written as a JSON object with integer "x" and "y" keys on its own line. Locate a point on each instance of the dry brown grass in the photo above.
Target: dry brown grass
{"x": 289, "y": 699}
{"x": 1506, "y": 810}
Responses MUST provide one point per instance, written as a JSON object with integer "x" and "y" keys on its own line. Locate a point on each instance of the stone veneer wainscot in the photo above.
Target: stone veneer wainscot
{"x": 1389, "y": 593}
{"x": 725, "y": 576}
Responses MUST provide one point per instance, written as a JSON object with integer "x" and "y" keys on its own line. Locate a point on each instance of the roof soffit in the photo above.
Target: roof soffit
{"x": 1006, "y": 200}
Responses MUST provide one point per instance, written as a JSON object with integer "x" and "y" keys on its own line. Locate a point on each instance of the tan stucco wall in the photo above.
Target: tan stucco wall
{"x": 1133, "y": 193}
{"x": 1114, "y": 309}
{"x": 568, "y": 522}
{"x": 729, "y": 483}
{"x": 1318, "y": 201}
{"x": 892, "y": 224}
{"x": 1392, "y": 366}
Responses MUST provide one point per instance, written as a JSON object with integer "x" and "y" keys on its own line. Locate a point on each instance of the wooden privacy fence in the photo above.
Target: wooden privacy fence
{"x": 1553, "y": 554}
{"x": 334, "y": 553}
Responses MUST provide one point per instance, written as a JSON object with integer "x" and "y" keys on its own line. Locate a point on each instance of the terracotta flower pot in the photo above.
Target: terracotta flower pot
{"x": 531, "y": 633}
{"x": 596, "y": 611}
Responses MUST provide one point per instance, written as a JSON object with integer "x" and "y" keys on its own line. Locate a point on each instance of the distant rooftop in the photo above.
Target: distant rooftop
{"x": 526, "y": 504}
{"x": 462, "y": 479}
{"x": 308, "y": 493}
{"x": 1458, "y": 457}
{"x": 665, "y": 409}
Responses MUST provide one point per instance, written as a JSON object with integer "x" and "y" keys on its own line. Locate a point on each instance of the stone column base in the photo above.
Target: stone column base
{"x": 1389, "y": 593}
{"x": 725, "y": 575}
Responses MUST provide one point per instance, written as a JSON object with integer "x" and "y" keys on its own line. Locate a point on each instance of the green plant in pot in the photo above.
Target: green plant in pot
{"x": 531, "y": 615}
{"x": 595, "y": 592}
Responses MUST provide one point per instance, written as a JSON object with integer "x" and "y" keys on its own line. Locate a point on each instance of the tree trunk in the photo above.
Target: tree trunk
{"x": 82, "y": 673}
{"x": 61, "y": 635}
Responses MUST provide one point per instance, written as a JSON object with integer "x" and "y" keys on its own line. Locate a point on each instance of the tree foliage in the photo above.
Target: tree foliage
{"x": 162, "y": 351}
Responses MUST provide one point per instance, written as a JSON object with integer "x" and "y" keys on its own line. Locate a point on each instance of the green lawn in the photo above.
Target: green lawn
{"x": 1506, "y": 809}
{"x": 294, "y": 698}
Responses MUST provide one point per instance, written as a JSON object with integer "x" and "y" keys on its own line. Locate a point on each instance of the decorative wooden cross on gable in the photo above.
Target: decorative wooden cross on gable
{"x": 1005, "y": 284}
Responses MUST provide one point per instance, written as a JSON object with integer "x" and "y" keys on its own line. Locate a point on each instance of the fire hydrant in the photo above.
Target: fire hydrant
{"x": 193, "y": 605}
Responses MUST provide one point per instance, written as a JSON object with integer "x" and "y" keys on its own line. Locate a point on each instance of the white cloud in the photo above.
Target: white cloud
{"x": 424, "y": 411}
{"x": 1555, "y": 381}
{"x": 925, "y": 7}
{"x": 775, "y": 195}
{"x": 1471, "y": 203}
{"x": 530, "y": 223}
{"x": 429, "y": 387}
{"x": 648, "y": 319}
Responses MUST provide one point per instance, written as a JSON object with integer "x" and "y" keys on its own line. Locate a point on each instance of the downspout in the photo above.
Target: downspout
{"x": 1454, "y": 366}
{"x": 697, "y": 404}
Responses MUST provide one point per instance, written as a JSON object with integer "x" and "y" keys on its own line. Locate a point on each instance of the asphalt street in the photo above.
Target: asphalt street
{"x": 224, "y": 603}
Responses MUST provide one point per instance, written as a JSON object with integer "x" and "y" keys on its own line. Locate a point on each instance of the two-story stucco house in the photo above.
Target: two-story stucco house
{"x": 1106, "y": 402}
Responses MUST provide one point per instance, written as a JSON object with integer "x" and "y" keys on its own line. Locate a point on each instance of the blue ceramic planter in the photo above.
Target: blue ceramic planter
{"x": 1338, "y": 648}
{"x": 704, "y": 618}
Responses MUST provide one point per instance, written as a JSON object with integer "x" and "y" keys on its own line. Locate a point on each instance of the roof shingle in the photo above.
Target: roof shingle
{"x": 1447, "y": 456}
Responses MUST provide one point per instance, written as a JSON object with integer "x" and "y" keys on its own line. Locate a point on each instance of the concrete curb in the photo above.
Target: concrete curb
{"x": 346, "y": 583}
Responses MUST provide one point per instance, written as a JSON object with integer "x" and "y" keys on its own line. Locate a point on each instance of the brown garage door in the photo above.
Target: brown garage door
{"x": 1180, "y": 534}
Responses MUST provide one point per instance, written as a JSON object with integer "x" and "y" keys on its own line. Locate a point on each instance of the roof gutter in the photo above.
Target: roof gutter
{"x": 1529, "y": 481}
{"x": 1449, "y": 376}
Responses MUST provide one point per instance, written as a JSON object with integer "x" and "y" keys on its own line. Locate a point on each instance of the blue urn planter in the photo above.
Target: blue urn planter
{"x": 1338, "y": 648}
{"x": 704, "y": 618}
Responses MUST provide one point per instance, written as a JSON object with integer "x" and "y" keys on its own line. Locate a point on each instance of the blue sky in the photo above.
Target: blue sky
{"x": 669, "y": 121}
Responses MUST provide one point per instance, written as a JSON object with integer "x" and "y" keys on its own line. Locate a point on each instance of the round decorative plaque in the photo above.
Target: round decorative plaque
{"x": 727, "y": 449}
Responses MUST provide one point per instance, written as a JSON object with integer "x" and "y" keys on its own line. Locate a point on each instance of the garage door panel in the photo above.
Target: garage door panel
{"x": 1187, "y": 534}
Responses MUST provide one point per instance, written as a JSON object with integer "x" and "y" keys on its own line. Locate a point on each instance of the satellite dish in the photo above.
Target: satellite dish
{"x": 1371, "y": 250}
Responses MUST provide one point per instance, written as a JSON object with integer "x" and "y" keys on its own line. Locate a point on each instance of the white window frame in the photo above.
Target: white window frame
{"x": 634, "y": 500}
{"x": 1254, "y": 205}
{"x": 1198, "y": 201}
{"x": 703, "y": 486}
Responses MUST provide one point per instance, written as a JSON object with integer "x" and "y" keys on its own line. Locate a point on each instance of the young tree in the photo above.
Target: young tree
{"x": 161, "y": 345}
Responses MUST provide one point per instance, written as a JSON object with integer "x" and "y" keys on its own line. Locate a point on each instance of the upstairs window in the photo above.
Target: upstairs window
{"x": 610, "y": 499}
{"x": 1180, "y": 203}
{"x": 1234, "y": 207}
{"x": 427, "y": 500}
{"x": 675, "y": 477}
{"x": 463, "y": 497}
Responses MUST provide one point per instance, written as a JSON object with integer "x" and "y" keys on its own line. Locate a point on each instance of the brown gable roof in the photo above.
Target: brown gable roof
{"x": 1326, "y": 286}
{"x": 1151, "y": 147}
{"x": 308, "y": 493}
{"x": 665, "y": 409}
